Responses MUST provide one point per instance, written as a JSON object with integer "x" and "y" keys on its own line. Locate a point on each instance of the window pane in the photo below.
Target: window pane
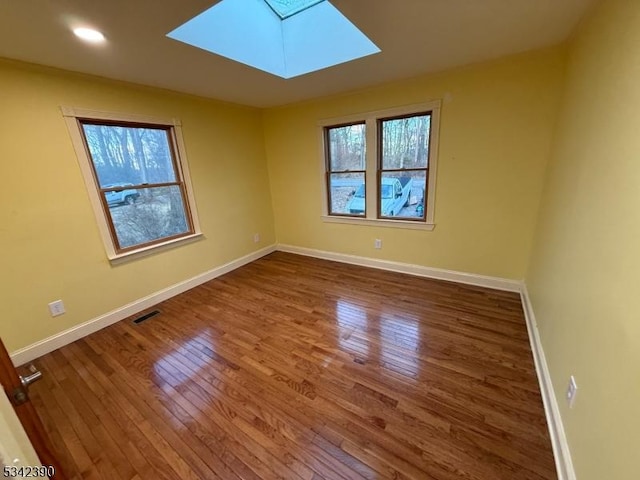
{"x": 347, "y": 148}
{"x": 287, "y": 8}
{"x": 144, "y": 215}
{"x": 402, "y": 194}
{"x": 405, "y": 142}
{"x": 129, "y": 155}
{"x": 347, "y": 194}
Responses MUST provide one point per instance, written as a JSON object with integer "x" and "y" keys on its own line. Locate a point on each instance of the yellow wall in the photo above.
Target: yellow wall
{"x": 585, "y": 267}
{"x": 50, "y": 244}
{"x": 496, "y": 131}
{"x": 498, "y": 125}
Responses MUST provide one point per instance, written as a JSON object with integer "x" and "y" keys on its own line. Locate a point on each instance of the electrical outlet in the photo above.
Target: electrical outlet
{"x": 572, "y": 391}
{"x": 377, "y": 243}
{"x": 56, "y": 308}
{"x": 256, "y": 237}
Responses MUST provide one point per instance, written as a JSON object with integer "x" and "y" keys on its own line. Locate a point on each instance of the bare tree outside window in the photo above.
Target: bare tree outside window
{"x": 139, "y": 181}
{"x": 403, "y": 166}
{"x": 346, "y": 166}
{"x": 389, "y": 181}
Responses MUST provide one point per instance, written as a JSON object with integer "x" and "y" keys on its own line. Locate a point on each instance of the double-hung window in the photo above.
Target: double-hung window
{"x": 380, "y": 167}
{"x": 346, "y": 169}
{"x": 137, "y": 179}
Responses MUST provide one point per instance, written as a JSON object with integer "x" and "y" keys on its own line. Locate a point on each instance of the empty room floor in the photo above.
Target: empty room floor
{"x": 298, "y": 368}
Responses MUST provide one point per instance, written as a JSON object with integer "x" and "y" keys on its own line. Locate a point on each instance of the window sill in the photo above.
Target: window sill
{"x": 119, "y": 258}
{"x": 406, "y": 224}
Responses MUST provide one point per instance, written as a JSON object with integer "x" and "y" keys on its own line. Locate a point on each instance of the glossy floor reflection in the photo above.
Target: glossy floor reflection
{"x": 298, "y": 368}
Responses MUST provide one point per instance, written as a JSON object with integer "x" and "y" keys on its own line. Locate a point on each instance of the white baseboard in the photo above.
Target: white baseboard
{"x": 562, "y": 455}
{"x": 559, "y": 443}
{"x": 35, "y": 350}
{"x": 561, "y": 452}
{"x": 496, "y": 283}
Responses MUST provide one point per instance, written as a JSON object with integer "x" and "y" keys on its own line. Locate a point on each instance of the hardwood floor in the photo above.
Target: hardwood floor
{"x": 299, "y": 368}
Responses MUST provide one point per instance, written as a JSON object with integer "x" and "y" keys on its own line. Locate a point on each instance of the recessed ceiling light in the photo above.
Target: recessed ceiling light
{"x": 89, "y": 34}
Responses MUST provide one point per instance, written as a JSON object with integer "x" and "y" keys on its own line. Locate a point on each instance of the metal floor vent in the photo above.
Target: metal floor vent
{"x": 146, "y": 316}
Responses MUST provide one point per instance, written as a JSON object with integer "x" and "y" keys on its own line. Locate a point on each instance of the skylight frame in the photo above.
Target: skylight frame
{"x": 250, "y": 32}
{"x": 286, "y": 12}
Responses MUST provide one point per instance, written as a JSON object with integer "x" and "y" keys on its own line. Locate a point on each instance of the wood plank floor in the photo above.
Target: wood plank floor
{"x": 299, "y": 368}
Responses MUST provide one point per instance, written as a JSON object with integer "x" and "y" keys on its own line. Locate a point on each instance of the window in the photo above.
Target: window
{"x": 403, "y": 166}
{"x": 380, "y": 167}
{"x": 137, "y": 179}
{"x": 346, "y": 169}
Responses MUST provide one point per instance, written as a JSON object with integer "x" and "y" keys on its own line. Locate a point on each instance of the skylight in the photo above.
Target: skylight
{"x": 287, "y": 8}
{"x": 286, "y": 38}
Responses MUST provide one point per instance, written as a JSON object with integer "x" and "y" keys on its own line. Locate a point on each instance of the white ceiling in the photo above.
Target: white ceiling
{"x": 416, "y": 36}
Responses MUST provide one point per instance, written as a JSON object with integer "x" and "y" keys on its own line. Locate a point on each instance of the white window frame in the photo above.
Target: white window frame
{"x": 72, "y": 118}
{"x": 371, "y": 157}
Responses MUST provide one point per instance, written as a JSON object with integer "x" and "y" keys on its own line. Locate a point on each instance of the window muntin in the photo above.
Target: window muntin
{"x": 346, "y": 169}
{"x": 403, "y": 166}
{"x": 138, "y": 177}
{"x": 420, "y": 165}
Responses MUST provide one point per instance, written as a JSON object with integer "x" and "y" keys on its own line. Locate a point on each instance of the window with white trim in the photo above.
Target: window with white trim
{"x": 135, "y": 171}
{"x": 346, "y": 168}
{"x": 380, "y": 167}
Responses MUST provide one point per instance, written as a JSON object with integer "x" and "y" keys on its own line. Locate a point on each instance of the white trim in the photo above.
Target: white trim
{"x": 153, "y": 249}
{"x": 87, "y": 176}
{"x": 183, "y": 167}
{"x": 496, "y": 283}
{"x": 406, "y": 224}
{"x": 371, "y": 161}
{"x": 71, "y": 116}
{"x": 561, "y": 452}
{"x": 387, "y": 112}
{"x": 61, "y": 339}
{"x": 74, "y": 112}
{"x": 434, "y": 153}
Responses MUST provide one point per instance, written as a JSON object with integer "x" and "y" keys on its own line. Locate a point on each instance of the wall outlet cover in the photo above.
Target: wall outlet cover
{"x": 56, "y": 308}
